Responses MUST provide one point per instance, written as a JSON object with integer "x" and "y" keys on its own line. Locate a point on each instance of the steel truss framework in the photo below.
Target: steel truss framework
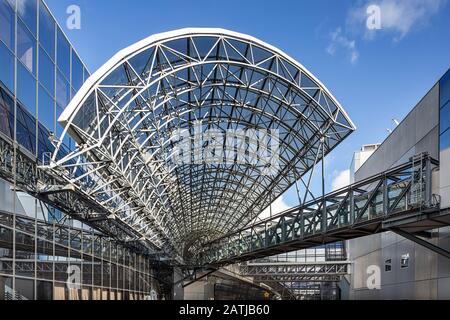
{"x": 292, "y": 272}
{"x": 124, "y": 116}
{"x": 310, "y": 278}
{"x": 21, "y": 168}
{"x": 400, "y": 197}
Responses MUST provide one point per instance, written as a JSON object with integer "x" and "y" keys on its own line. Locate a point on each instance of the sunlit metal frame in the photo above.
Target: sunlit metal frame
{"x": 123, "y": 117}
{"x": 399, "y": 197}
{"x": 294, "y": 271}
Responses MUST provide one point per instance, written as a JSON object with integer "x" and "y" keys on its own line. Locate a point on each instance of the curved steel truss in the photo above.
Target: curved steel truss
{"x": 124, "y": 117}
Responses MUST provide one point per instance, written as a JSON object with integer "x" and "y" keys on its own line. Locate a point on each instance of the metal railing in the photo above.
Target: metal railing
{"x": 356, "y": 210}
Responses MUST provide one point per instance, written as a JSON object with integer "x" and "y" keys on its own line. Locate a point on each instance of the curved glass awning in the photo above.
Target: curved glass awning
{"x": 126, "y": 114}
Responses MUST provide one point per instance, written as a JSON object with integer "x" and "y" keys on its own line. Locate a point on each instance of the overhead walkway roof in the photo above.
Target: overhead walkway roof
{"x": 124, "y": 117}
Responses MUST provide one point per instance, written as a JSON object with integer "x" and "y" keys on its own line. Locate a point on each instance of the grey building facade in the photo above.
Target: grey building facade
{"x": 408, "y": 270}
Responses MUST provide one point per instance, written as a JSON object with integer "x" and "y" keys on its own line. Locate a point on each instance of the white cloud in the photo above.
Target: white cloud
{"x": 341, "y": 179}
{"x": 278, "y": 206}
{"x": 398, "y": 17}
{"x": 340, "y": 41}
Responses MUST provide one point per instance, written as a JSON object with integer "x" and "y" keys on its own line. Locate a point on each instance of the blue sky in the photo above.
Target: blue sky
{"x": 377, "y": 75}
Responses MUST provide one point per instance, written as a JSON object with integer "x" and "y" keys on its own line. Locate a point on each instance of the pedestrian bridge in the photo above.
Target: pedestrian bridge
{"x": 399, "y": 199}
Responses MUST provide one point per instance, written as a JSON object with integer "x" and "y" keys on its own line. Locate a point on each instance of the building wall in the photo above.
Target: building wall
{"x": 39, "y": 73}
{"x": 424, "y": 274}
{"x": 359, "y": 158}
{"x": 39, "y": 67}
{"x": 418, "y": 132}
{"x": 444, "y": 142}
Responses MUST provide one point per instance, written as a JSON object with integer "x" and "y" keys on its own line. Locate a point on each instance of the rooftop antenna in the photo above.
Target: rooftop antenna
{"x": 396, "y": 123}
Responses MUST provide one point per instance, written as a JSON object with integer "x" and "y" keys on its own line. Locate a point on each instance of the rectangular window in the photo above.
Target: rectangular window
{"x": 63, "y": 55}
{"x": 47, "y": 31}
{"x": 388, "y": 265}
{"x": 445, "y": 118}
{"x": 6, "y": 114}
{"x": 62, "y": 90}
{"x": 77, "y": 72}
{"x": 24, "y": 138}
{"x": 46, "y": 109}
{"x": 46, "y": 72}
{"x": 445, "y": 140}
{"x": 444, "y": 88}
{"x": 7, "y": 24}
{"x": 6, "y": 67}
{"x": 26, "y": 88}
{"x": 404, "y": 263}
{"x": 26, "y": 48}
{"x": 86, "y": 75}
{"x": 27, "y": 10}
{"x": 444, "y": 98}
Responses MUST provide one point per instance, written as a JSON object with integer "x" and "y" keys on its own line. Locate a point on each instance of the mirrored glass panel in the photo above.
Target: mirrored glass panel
{"x": 77, "y": 73}
{"x": 63, "y": 55}
{"x": 6, "y": 67}
{"x": 27, "y": 11}
{"x": 445, "y": 118}
{"x": 445, "y": 140}
{"x": 47, "y": 31}
{"x": 6, "y": 123}
{"x": 26, "y": 128}
{"x": 62, "y": 90}
{"x": 26, "y": 48}
{"x": 26, "y": 88}
{"x": 85, "y": 75}
{"x": 46, "y": 109}
{"x": 7, "y": 24}
{"x": 46, "y": 71}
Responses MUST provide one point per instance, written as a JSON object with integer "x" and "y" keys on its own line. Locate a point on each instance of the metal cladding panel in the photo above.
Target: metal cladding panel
{"x": 417, "y": 124}
{"x": 425, "y": 277}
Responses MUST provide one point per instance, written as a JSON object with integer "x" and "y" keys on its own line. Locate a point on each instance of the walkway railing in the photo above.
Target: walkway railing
{"x": 356, "y": 210}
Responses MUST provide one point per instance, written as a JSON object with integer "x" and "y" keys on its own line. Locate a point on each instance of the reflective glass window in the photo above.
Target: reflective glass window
{"x": 388, "y": 265}
{"x": 24, "y": 135}
{"x": 27, "y": 10}
{"x": 444, "y": 92}
{"x": 46, "y": 109}
{"x": 26, "y": 47}
{"x": 47, "y": 31}
{"x": 7, "y": 24}
{"x": 12, "y": 3}
{"x": 25, "y": 287}
{"x": 445, "y": 140}
{"x": 6, "y": 67}
{"x": 26, "y": 88}
{"x": 63, "y": 55}
{"x": 62, "y": 90}
{"x": 6, "y": 114}
{"x": 404, "y": 262}
{"x": 86, "y": 75}
{"x": 46, "y": 72}
{"x": 445, "y": 117}
{"x": 444, "y": 88}
{"x": 77, "y": 72}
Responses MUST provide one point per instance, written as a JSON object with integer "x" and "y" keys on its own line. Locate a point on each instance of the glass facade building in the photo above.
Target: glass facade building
{"x": 444, "y": 100}
{"x": 40, "y": 247}
{"x": 39, "y": 69}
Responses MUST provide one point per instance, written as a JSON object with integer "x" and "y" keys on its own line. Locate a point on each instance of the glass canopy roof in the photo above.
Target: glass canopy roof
{"x": 124, "y": 117}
